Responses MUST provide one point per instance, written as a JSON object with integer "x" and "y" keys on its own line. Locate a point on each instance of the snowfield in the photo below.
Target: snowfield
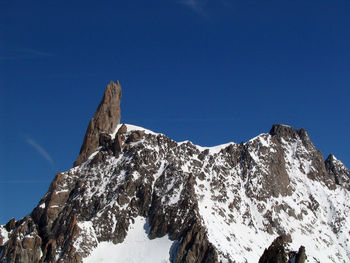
{"x": 136, "y": 248}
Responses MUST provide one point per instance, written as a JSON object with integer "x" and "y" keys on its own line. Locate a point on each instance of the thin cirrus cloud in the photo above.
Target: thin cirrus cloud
{"x": 196, "y": 5}
{"x": 202, "y": 7}
{"x": 40, "y": 150}
{"x": 22, "y": 53}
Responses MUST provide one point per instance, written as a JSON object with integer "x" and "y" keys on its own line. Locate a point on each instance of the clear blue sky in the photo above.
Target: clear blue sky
{"x": 209, "y": 71}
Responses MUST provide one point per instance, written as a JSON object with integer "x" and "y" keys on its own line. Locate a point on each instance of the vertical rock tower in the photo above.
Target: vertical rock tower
{"x": 105, "y": 120}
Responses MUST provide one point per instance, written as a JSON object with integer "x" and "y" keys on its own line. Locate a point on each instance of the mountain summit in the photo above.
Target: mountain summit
{"x": 138, "y": 196}
{"x": 105, "y": 119}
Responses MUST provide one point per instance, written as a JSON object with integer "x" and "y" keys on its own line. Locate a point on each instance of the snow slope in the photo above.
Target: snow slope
{"x": 136, "y": 248}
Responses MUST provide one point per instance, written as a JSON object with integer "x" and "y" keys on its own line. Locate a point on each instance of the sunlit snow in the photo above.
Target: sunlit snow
{"x": 136, "y": 248}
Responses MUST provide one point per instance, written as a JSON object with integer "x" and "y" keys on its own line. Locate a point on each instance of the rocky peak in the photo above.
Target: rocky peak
{"x": 293, "y": 139}
{"x": 279, "y": 252}
{"x": 287, "y": 132}
{"x": 337, "y": 170}
{"x": 282, "y": 130}
{"x": 105, "y": 120}
{"x": 331, "y": 158}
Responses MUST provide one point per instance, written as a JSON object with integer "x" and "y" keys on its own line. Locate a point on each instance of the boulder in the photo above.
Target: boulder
{"x": 123, "y": 129}
{"x": 135, "y": 136}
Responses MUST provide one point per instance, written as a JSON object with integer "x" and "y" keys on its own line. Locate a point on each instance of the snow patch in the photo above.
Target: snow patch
{"x": 131, "y": 127}
{"x": 4, "y": 234}
{"x": 136, "y": 247}
{"x": 215, "y": 149}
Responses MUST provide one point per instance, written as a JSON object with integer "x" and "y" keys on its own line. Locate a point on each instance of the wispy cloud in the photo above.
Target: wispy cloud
{"x": 196, "y": 5}
{"x": 34, "y": 52}
{"x": 40, "y": 150}
{"x": 204, "y": 7}
{"x": 23, "y": 53}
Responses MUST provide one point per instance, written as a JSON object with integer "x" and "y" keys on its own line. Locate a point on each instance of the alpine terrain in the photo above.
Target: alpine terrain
{"x": 135, "y": 195}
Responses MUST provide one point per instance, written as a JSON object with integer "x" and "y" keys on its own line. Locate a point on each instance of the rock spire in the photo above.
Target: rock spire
{"x": 105, "y": 120}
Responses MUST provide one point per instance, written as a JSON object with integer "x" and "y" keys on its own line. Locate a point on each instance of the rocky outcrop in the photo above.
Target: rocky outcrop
{"x": 288, "y": 132}
{"x": 337, "y": 170}
{"x": 105, "y": 120}
{"x": 284, "y": 133}
{"x": 300, "y": 256}
{"x": 24, "y": 244}
{"x": 195, "y": 248}
{"x": 278, "y": 252}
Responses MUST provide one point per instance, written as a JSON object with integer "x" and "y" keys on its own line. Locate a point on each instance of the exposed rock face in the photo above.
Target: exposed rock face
{"x": 195, "y": 247}
{"x": 216, "y": 204}
{"x": 105, "y": 120}
{"x": 279, "y": 252}
{"x": 337, "y": 170}
{"x": 285, "y": 133}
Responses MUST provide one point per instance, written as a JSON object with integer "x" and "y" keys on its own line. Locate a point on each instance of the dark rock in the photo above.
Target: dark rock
{"x": 126, "y": 147}
{"x": 288, "y": 132}
{"x": 98, "y": 158}
{"x": 27, "y": 249}
{"x": 276, "y": 253}
{"x": 105, "y": 120}
{"x": 10, "y": 225}
{"x": 117, "y": 144}
{"x": 283, "y": 131}
{"x": 301, "y": 256}
{"x": 49, "y": 251}
{"x": 320, "y": 173}
{"x": 135, "y": 136}
{"x": 122, "y": 200}
{"x": 105, "y": 140}
{"x": 202, "y": 155}
{"x": 123, "y": 129}
{"x": 195, "y": 247}
{"x": 337, "y": 171}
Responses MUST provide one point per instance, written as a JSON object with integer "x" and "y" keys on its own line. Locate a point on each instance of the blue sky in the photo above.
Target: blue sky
{"x": 208, "y": 71}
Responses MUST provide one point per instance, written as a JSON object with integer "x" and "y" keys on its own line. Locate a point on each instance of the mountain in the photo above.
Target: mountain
{"x": 134, "y": 195}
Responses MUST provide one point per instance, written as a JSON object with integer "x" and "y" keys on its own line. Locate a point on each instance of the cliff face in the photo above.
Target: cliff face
{"x": 337, "y": 170}
{"x": 271, "y": 199}
{"x": 105, "y": 120}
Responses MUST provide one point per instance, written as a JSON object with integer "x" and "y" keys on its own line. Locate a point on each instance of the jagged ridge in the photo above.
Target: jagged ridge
{"x": 222, "y": 203}
{"x": 217, "y": 204}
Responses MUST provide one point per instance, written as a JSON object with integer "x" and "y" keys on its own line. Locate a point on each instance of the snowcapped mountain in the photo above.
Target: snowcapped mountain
{"x": 137, "y": 196}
